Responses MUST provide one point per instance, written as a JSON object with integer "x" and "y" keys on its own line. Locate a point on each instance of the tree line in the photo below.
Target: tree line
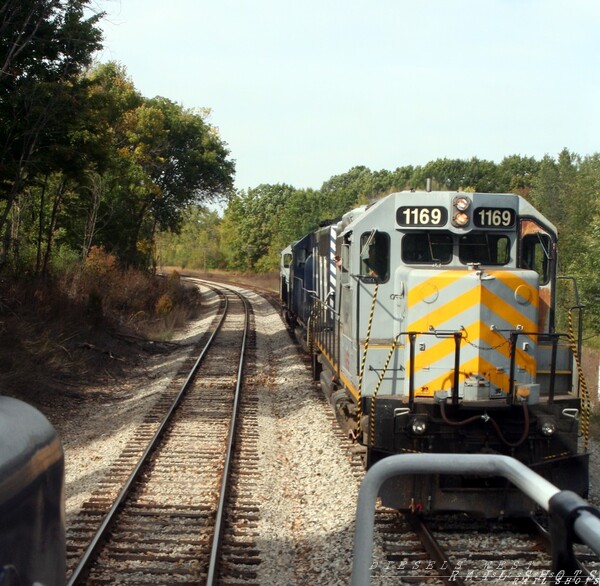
{"x": 86, "y": 160}
{"x": 259, "y": 222}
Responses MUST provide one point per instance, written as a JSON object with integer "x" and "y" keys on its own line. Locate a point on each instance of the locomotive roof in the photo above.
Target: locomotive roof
{"x": 382, "y": 213}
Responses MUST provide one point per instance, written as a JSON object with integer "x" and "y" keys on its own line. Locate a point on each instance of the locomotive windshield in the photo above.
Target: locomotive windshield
{"x": 437, "y": 248}
{"x": 427, "y": 247}
{"x": 484, "y": 248}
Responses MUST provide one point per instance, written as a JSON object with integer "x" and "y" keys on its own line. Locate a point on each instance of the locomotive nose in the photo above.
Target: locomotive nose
{"x": 479, "y": 305}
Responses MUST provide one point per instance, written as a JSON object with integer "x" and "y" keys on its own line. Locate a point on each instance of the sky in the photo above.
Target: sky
{"x": 302, "y": 91}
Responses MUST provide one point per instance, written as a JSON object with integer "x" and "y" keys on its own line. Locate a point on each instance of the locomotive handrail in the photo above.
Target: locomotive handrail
{"x": 570, "y": 515}
{"x": 322, "y": 303}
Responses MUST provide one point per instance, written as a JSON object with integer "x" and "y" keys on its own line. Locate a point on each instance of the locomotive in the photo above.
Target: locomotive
{"x": 431, "y": 320}
{"x": 32, "y": 507}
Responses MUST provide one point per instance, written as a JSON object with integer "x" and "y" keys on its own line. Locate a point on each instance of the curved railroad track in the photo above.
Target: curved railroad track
{"x": 166, "y": 524}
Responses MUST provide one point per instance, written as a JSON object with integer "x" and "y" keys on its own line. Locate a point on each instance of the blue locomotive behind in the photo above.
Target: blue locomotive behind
{"x": 431, "y": 321}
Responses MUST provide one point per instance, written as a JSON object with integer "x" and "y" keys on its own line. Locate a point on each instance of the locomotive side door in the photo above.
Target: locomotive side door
{"x": 345, "y": 300}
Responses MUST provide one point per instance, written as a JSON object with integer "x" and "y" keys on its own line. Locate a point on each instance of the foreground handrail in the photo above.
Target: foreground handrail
{"x": 572, "y": 510}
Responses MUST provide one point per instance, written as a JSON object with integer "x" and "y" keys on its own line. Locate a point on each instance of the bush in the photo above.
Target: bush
{"x": 164, "y": 305}
{"x": 99, "y": 262}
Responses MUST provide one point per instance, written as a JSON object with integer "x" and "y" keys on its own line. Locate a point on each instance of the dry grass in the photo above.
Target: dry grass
{"x": 84, "y": 325}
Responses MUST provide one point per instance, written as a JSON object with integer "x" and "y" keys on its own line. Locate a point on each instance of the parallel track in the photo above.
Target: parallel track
{"x": 166, "y": 524}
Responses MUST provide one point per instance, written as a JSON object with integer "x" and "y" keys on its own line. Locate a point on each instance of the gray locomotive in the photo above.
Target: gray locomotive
{"x": 430, "y": 319}
{"x": 32, "y": 510}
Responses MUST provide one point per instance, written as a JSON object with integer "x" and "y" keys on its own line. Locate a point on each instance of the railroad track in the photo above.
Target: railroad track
{"x": 167, "y": 522}
{"x": 457, "y": 550}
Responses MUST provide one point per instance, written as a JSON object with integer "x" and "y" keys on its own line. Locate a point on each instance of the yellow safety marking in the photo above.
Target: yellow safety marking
{"x": 475, "y": 296}
{"x": 447, "y": 311}
{"x": 506, "y": 311}
{"x": 435, "y": 352}
{"x": 522, "y": 358}
{"x": 446, "y": 278}
{"x": 477, "y": 333}
{"x": 439, "y": 281}
{"x": 475, "y": 366}
{"x": 513, "y": 282}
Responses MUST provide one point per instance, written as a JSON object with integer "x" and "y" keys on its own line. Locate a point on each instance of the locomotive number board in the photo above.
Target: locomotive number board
{"x": 494, "y": 218}
{"x": 421, "y": 216}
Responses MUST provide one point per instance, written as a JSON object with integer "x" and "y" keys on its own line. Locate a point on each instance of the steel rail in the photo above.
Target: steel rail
{"x": 85, "y": 561}
{"x": 213, "y": 566}
{"x": 433, "y": 548}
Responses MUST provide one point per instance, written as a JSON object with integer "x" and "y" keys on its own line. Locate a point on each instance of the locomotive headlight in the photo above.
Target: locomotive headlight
{"x": 461, "y": 203}
{"x": 418, "y": 425}
{"x": 460, "y": 219}
{"x": 547, "y": 428}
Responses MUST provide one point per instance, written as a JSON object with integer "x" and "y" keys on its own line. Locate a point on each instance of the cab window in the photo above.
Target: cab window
{"x": 375, "y": 255}
{"x": 427, "y": 248}
{"x": 536, "y": 255}
{"x": 484, "y": 248}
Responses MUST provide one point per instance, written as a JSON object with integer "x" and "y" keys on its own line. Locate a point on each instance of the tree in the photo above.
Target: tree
{"x": 516, "y": 174}
{"x": 343, "y": 192}
{"x": 249, "y": 224}
{"x": 162, "y": 158}
{"x": 197, "y": 245}
{"x": 457, "y": 174}
{"x": 44, "y": 46}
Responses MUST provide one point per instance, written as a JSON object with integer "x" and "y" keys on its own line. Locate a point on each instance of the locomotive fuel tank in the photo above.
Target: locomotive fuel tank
{"x": 32, "y": 516}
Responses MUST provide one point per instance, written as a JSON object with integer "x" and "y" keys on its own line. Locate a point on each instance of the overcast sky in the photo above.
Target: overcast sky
{"x": 304, "y": 90}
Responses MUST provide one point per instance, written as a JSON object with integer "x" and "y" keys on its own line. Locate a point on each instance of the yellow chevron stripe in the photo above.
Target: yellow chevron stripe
{"x": 467, "y": 300}
{"x": 477, "y": 333}
{"x": 508, "y": 313}
{"x": 513, "y": 282}
{"x": 434, "y": 353}
{"x": 447, "y": 311}
{"x": 522, "y": 358}
{"x": 440, "y": 280}
{"x": 446, "y": 278}
{"x": 475, "y": 366}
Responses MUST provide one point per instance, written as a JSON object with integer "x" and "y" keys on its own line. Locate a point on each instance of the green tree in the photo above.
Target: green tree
{"x": 44, "y": 46}
{"x": 516, "y": 174}
{"x": 155, "y": 159}
{"x": 456, "y": 174}
{"x": 249, "y": 224}
{"x": 343, "y": 192}
{"x": 197, "y": 245}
